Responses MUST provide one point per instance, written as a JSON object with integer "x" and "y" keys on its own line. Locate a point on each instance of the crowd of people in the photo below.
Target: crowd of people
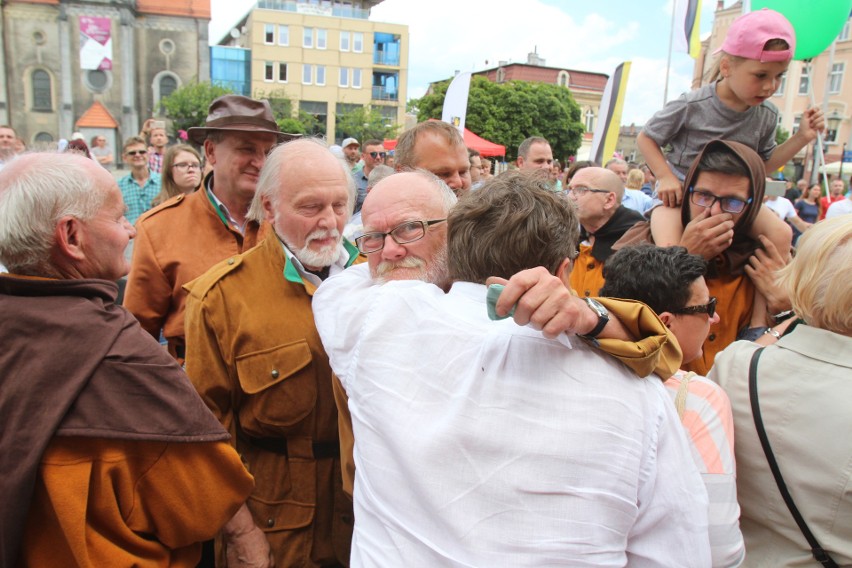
{"x": 323, "y": 359}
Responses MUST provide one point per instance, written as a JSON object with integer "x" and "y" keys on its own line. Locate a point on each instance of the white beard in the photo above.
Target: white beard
{"x": 415, "y": 269}
{"x": 317, "y": 258}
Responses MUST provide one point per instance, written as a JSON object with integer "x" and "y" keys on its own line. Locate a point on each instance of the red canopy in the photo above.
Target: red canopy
{"x": 471, "y": 140}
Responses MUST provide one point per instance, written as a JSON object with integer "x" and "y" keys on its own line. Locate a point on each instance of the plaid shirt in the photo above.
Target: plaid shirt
{"x": 138, "y": 198}
{"x": 155, "y": 160}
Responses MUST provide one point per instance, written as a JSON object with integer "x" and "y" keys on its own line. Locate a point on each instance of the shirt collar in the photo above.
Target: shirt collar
{"x": 222, "y": 210}
{"x": 294, "y": 270}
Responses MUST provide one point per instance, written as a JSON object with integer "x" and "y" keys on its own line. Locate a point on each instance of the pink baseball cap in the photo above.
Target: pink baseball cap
{"x": 749, "y": 33}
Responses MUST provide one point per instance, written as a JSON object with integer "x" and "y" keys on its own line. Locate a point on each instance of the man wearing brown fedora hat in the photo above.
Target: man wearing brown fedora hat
{"x": 182, "y": 238}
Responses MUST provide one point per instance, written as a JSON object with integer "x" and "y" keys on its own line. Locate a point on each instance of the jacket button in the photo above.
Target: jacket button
{"x": 274, "y": 373}
{"x": 270, "y": 522}
{"x": 231, "y": 261}
{"x": 711, "y": 337}
{"x": 590, "y": 266}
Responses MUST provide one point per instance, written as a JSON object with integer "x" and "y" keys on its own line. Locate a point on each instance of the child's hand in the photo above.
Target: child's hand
{"x": 670, "y": 191}
{"x": 813, "y": 121}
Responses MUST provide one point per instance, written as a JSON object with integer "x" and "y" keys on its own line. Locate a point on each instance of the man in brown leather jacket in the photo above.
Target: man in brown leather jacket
{"x": 255, "y": 357}
{"x": 182, "y": 238}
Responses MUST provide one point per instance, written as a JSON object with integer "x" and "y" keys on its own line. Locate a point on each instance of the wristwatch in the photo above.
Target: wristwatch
{"x": 603, "y": 318}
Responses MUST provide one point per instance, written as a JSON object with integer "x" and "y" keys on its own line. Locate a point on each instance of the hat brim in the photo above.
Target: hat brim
{"x": 199, "y": 133}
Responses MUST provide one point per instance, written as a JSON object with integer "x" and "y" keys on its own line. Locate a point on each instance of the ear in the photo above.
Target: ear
{"x": 520, "y": 161}
{"x": 725, "y": 66}
{"x": 667, "y": 318}
{"x": 268, "y": 208}
{"x": 68, "y": 237}
{"x": 210, "y": 152}
{"x": 564, "y": 271}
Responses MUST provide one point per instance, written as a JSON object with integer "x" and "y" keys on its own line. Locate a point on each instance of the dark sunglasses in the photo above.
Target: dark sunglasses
{"x": 709, "y": 308}
{"x": 375, "y": 155}
{"x": 137, "y": 152}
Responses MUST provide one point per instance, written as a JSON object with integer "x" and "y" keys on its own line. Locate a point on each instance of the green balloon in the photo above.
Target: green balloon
{"x": 816, "y": 22}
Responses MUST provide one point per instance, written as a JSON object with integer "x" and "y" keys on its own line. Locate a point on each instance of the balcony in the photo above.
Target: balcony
{"x": 386, "y": 58}
{"x": 385, "y": 93}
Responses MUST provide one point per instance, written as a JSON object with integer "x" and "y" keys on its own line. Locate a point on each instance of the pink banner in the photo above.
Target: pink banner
{"x": 95, "y": 43}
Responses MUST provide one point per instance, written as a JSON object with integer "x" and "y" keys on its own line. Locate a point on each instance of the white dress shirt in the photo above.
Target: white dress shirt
{"x": 482, "y": 443}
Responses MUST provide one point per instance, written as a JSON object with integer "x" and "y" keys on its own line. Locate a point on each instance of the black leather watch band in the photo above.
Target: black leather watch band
{"x": 603, "y": 318}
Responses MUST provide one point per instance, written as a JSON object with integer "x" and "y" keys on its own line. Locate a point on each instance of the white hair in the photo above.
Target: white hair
{"x": 36, "y": 191}
{"x": 270, "y": 182}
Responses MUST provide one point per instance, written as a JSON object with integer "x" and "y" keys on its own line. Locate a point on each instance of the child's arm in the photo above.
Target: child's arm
{"x": 666, "y": 226}
{"x": 669, "y": 189}
{"x": 811, "y": 124}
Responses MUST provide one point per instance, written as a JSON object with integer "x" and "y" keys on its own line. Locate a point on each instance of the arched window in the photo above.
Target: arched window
{"x": 563, "y": 79}
{"x": 168, "y": 84}
{"x": 42, "y": 99}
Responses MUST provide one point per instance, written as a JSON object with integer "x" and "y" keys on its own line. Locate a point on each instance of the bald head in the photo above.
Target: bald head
{"x": 408, "y": 202}
{"x": 601, "y": 178}
{"x": 597, "y": 193}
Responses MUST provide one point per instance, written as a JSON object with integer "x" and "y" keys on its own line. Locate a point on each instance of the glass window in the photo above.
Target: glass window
{"x": 358, "y": 42}
{"x": 282, "y": 72}
{"x": 268, "y": 33}
{"x": 344, "y": 77}
{"x": 356, "y": 78}
{"x": 283, "y": 35}
{"x": 308, "y": 38}
{"x": 168, "y": 85}
{"x": 797, "y": 120}
{"x": 307, "y": 72}
{"x": 590, "y": 121}
{"x": 344, "y": 41}
{"x": 321, "y": 37}
{"x": 782, "y": 85}
{"x": 42, "y": 99}
{"x": 320, "y": 74}
{"x": 804, "y": 80}
{"x": 268, "y": 71}
{"x": 835, "y": 81}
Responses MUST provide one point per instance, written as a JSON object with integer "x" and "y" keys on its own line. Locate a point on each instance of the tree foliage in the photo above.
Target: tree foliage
{"x": 188, "y": 105}
{"x": 282, "y": 110}
{"x": 507, "y": 113}
{"x": 781, "y": 135}
{"x": 365, "y": 123}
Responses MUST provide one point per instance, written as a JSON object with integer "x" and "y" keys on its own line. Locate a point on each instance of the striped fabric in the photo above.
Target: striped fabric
{"x": 709, "y": 425}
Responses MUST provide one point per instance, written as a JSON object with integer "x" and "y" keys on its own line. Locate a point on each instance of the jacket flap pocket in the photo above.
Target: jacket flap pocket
{"x": 260, "y": 370}
{"x": 281, "y": 515}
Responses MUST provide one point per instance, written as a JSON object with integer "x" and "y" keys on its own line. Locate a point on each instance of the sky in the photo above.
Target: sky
{"x": 469, "y": 35}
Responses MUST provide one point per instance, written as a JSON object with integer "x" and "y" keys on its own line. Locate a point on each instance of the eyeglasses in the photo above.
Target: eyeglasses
{"x": 407, "y": 232}
{"x": 375, "y": 155}
{"x": 187, "y": 166}
{"x": 709, "y": 308}
{"x": 728, "y": 204}
{"x": 137, "y": 152}
{"x": 580, "y": 190}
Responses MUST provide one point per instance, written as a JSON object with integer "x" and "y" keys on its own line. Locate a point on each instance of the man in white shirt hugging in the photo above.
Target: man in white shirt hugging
{"x": 485, "y": 443}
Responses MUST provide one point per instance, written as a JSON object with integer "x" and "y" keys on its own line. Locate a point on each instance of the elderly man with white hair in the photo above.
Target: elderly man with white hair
{"x": 109, "y": 456}
{"x": 255, "y": 357}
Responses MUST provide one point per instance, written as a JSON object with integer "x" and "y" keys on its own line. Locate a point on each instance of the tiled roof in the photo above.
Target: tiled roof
{"x": 97, "y": 117}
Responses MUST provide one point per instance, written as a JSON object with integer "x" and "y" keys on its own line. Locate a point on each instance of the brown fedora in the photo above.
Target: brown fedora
{"x": 239, "y": 114}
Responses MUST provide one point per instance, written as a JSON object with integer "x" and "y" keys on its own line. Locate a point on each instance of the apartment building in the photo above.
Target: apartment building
{"x": 325, "y": 56}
